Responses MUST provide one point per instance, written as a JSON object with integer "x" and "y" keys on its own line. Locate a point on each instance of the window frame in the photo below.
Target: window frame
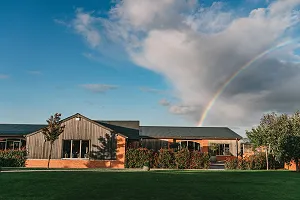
{"x": 5, "y": 141}
{"x": 223, "y": 153}
{"x": 187, "y": 145}
{"x": 80, "y": 150}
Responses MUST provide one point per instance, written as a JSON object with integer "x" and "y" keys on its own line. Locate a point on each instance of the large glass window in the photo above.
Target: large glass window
{"x": 76, "y": 148}
{"x": 223, "y": 150}
{"x": 192, "y": 146}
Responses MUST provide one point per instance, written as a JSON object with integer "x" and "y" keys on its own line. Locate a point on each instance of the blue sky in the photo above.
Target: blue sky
{"x": 45, "y": 65}
{"x": 48, "y": 64}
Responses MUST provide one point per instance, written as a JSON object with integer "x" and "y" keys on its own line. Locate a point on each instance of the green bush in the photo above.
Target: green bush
{"x": 182, "y": 159}
{"x": 199, "y": 160}
{"x": 154, "y": 162}
{"x": 231, "y": 163}
{"x": 137, "y": 158}
{"x": 166, "y": 158}
{"x": 253, "y": 162}
{"x": 13, "y": 158}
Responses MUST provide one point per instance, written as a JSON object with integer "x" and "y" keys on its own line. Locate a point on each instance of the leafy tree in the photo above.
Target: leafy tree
{"x": 291, "y": 149}
{"x": 270, "y": 133}
{"x": 279, "y": 134}
{"x": 53, "y": 131}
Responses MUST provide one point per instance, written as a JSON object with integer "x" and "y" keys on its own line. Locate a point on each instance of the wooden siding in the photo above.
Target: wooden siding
{"x": 74, "y": 130}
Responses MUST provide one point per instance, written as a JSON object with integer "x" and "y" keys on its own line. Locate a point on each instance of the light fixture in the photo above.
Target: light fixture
{"x": 78, "y": 118}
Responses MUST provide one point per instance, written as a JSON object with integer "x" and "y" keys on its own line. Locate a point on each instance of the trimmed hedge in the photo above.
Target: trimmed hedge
{"x": 253, "y": 162}
{"x": 199, "y": 160}
{"x": 137, "y": 158}
{"x": 167, "y": 158}
{"x": 13, "y": 158}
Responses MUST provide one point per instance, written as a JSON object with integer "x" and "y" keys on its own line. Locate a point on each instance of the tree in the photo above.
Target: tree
{"x": 279, "y": 135}
{"x": 52, "y": 132}
{"x": 291, "y": 143}
{"x": 291, "y": 149}
{"x": 270, "y": 133}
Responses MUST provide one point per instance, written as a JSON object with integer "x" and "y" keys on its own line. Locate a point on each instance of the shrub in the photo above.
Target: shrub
{"x": 253, "y": 162}
{"x": 182, "y": 158}
{"x": 137, "y": 158}
{"x": 154, "y": 162}
{"x": 13, "y": 158}
{"x": 231, "y": 163}
{"x": 199, "y": 160}
{"x": 166, "y": 158}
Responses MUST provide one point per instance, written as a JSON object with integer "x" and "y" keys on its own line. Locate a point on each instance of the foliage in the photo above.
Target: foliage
{"x": 154, "y": 161}
{"x": 291, "y": 149}
{"x": 13, "y": 158}
{"x": 199, "y": 160}
{"x": 137, "y": 158}
{"x": 252, "y": 162}
{"x": 53, "y": 131}
{"x": 182, "y": 158}
{"x": 213, "y": 147}
{"x": 277, "y": 132}
{"x": 166, "y": 158}
{"x": 231, "y": 163}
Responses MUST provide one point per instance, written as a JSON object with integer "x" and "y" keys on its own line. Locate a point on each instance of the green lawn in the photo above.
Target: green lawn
{"x": 160, "y": 185}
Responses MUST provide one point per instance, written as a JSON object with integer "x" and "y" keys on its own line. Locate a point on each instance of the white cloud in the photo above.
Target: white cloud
{"x": 61, "y": 22}
{"x": 99, "y": 88}
{"x": 3, "y": 76}
{"x": 164, "y": 102}
{"x": 84, "y": 25}
{"x": 197, "y": 49}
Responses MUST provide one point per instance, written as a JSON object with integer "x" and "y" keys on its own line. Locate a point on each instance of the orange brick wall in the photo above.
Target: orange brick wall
{"x": 81, "y": 163}
{"x": 291, "y": 167}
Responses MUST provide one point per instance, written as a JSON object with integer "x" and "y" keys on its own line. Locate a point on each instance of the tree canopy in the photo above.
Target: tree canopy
{"x": 277, "y": 132}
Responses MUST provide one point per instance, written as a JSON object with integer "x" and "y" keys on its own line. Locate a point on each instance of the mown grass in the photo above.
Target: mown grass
{"x": 160, "y": 185}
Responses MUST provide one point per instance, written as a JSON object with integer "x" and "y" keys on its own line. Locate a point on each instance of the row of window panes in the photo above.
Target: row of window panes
{"x": 12, "y": 144}
{"x": 190, "y": 145}
{"x": 223, "y": 149}
{"x": 76, "y": 148}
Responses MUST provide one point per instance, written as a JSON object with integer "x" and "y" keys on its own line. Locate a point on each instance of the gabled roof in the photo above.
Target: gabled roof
{"x": 19, "y": 129}
{"x": 130, "y": 133}
{"x": 188, "y": 132}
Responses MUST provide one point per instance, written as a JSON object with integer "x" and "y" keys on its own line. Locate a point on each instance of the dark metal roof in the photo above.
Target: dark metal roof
{"x": 19, "y": 129}
{"x": 128, "y": 132}
{"x": 188, "y": 132}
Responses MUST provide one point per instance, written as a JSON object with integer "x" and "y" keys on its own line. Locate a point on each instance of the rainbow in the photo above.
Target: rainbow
{"x": 229, "y": 80}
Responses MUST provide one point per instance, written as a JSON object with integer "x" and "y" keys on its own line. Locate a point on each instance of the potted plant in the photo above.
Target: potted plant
{"x": 214, "y": 147}
{"x": 146, "y": 166}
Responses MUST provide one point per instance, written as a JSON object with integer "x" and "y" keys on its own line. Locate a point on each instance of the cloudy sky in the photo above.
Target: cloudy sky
{"x": 161, "y": 62}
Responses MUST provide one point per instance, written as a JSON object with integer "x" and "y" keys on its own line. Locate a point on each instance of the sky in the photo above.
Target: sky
{"x": 161, "y": 62}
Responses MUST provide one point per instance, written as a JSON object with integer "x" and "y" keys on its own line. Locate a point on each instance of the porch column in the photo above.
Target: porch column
{"x": 237, "y": 148}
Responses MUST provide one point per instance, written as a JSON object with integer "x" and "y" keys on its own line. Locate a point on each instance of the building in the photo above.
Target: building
{"x": 87, "y": 143}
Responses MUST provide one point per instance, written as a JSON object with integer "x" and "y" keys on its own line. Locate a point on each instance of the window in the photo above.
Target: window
{"x": 192, "y": 146}
{"x": 223, "y": 150}
{"x": 2, "y": 145}
{"x": 76, "y": 148}
{"x": 12, "y": 144}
